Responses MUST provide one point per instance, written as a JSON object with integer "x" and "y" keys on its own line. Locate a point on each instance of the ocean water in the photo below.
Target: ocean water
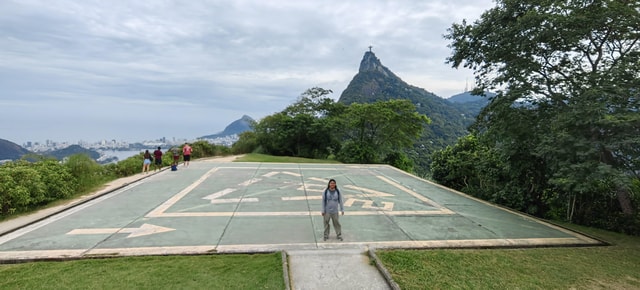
{"x": 122, "y": 155}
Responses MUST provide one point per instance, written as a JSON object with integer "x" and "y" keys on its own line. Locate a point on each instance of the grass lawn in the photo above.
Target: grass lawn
{"x": 241, "y": 271}
{"x": 609, "y": 267}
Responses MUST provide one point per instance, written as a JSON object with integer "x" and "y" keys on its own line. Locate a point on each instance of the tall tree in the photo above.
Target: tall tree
{"x": 304, "y": 129}
{"x": 371, "y": 131}
{"x": 567, "y": 75}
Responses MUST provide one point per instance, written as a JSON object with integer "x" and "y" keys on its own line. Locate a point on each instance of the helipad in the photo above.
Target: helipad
{"x": 256, "y": 207}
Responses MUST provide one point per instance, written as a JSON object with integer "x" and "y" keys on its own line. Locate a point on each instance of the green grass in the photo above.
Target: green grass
{"x": 610, "y": 267}
{"x": 241, "y": 271}
{"x": 254, "y": 157}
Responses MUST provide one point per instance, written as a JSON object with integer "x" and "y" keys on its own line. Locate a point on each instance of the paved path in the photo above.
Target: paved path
{"x": 219, "y": 206}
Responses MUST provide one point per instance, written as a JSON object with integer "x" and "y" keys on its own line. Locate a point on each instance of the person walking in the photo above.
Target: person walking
{"x": 186, "y": 154}
{"x": 146, "y": 162}
{"x": 331, "y": 206}
{"x": 157, "y": 155}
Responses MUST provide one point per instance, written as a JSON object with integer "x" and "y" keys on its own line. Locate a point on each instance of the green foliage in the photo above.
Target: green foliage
{"x": 21, "y": 186}
{"x": 24, "y": 185}
{"x": 357, "y": 152}
{"x": 58, "y": 179}
{"x": 399, "y": 160}
{"x": 87, "y": 171}
{"x": 303, "y": 129}
{"x": 129, "y": 166}
{"x": 205, "y": 149}
{"x": 247, "y": 143}
{"x": 371, "y": 131}
{"x": 565, "y": 121}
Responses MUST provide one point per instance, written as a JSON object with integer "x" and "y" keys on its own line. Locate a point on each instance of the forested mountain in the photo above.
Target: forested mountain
{"x": 11, "y": 151}
{"x": 236, "y": 127}
{"x": 449, "y": 121}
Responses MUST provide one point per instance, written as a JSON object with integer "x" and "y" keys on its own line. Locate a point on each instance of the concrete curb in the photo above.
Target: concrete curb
{"x": 285, "y": 271}
{"x": 385, "y": 273}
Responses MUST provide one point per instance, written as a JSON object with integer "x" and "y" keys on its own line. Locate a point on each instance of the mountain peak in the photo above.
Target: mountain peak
{"x": 370, "y": 63}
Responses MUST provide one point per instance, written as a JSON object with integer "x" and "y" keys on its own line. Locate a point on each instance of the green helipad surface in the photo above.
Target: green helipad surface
{"x": 255, "y": 207}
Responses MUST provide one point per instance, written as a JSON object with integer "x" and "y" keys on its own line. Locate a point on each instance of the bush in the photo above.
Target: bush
{"x": 59, "y": 181}
{"x": 247, "y": 143}
{"x": 20, "y": 187}
{"x": 399, "y": 160}
{"x": 87, "y": 171}
{"x": 353, "y": 152}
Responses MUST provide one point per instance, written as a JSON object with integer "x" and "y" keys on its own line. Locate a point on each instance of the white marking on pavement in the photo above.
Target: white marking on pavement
{"x": 234, "y": 200}
{"x": 18, "y": 233}
{"x": 371, "y": 192}
{"x": 171, "y": 201}
{"x": 388, "y": 206}
{"x": 144, "y": 230}
{"x": 250, "y": 181}
{"x": 412, "y": 193}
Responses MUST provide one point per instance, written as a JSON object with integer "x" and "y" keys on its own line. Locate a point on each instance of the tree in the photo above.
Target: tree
{"x": 567, "y": 74}
{"x": 303, "y": 129}
{"x": 371, "y": 131}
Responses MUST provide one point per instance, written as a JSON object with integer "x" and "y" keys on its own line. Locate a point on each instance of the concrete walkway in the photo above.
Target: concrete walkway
{"x": 335, "y": 269}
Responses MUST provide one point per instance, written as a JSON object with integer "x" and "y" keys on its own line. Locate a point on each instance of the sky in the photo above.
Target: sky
{"x": 132, "y": 71}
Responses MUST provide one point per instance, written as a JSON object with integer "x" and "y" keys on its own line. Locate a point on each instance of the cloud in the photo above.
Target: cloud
{"x": 136, "y": 70}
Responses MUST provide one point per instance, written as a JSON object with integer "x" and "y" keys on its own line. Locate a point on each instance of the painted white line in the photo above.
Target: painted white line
{"x": 171, "y": 201}
{"x": 303, "y": 213}
{"x": 144, "y": 230}
{"x": 250, "y": 181}
{"x": 369, "y": 192}
{"x": 220, "y": 193}
{"x": 412, "y": 193}
{"x": 300, "y": 198}
{"x": 234, "y": 200}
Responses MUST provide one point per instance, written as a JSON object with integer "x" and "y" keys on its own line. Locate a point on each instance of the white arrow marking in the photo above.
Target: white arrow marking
{"x": 215, "y": 198}
{"x": 145, "y": 229}
{"x": 272, "y": 173}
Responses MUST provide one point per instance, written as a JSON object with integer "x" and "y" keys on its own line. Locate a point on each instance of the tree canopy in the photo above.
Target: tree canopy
{"x": 315, "y": 126}
{"x": 565, "y": 120}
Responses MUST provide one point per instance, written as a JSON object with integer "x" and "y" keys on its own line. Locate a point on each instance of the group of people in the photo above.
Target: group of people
{"x": 157, "y": 157}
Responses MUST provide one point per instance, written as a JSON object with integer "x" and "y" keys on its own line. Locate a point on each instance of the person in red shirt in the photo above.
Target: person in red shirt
{"x": 158, "y": 159}
{"x": 186, "y": 154}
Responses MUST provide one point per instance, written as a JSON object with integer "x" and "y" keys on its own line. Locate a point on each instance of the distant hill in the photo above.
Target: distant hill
{"x": 375, "y": 82}
{"x": 236, "y": 127}
{"x": 11, "y": 151}
{"x": 71, "y": 150}
{"x": 470, "y": 102}
{"x": 468, "y": 97}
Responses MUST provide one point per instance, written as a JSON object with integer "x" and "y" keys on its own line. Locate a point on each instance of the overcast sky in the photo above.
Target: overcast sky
{"x": 140, "y": 70}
